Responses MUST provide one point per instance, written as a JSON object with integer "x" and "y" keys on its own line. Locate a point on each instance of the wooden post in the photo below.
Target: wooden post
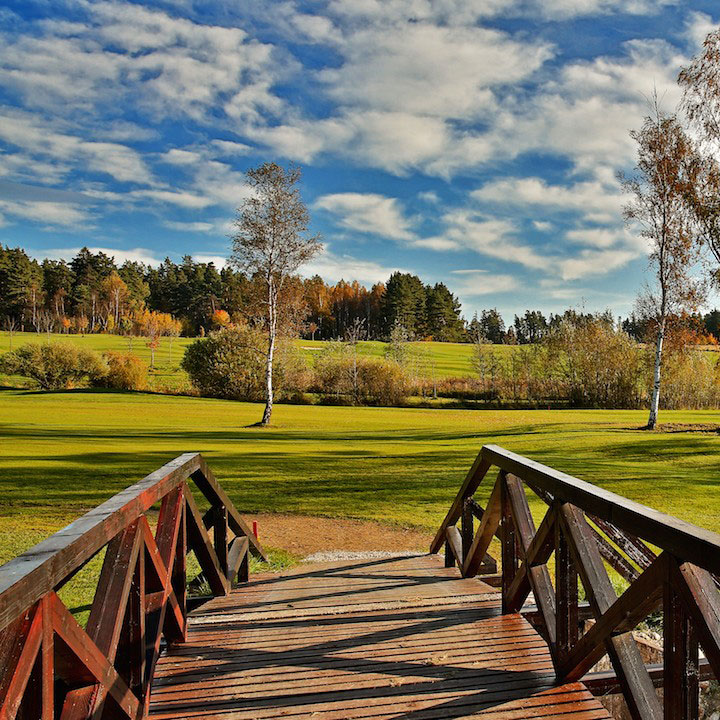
{"x": 178, "y": 571}
{"x": 509, "y": 557}
{"x": 566, "y": 595}
{"x": 449, "y": 557}
{"x": 680, "y": 658}
{"x": 467, "y": 530}
{"x": 136, "y": 610}
{"x": 48, "y": 664}
{"x": 220, "y": 537}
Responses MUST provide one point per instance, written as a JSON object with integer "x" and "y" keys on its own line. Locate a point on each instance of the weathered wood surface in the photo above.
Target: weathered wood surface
{"x": 401, "y": 638}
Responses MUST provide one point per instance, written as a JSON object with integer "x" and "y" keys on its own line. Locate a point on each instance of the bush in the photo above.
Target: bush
{"x": 230, "y": 364}
{"x": 344, "y": 377}
{"x": 125, "y": 371}
{"x": 54, "y": 366}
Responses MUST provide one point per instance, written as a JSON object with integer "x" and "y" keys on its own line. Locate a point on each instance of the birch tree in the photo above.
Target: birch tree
{"x": 700, "y": 81}
{"x": 664, "y": 179}
{"x": 271, "y": 241}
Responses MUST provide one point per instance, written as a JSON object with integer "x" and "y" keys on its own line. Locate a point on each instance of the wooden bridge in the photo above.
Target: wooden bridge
{"x": 409, "y": 637}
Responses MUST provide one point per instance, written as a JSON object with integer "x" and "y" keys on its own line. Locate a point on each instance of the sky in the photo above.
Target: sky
{"x": 472, "y": 142}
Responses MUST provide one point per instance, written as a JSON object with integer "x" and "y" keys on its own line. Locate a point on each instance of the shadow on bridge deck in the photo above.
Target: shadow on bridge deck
{"x": 401, "y": 638}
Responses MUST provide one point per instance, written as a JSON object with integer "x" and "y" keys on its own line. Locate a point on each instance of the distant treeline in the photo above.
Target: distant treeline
{"x": 92, "y": 293}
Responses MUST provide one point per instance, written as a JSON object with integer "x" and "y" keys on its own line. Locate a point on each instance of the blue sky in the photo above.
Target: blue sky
{"x": 474, "y": 142}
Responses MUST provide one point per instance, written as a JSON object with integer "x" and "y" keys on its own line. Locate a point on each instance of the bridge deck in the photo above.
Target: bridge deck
{"x": 393, "y": 638}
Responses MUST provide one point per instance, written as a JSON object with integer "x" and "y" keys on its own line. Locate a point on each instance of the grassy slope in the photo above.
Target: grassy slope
{"x": 442, "y": 359}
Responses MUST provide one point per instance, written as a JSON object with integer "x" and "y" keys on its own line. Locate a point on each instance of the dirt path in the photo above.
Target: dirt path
{"x": 304, "y": 535}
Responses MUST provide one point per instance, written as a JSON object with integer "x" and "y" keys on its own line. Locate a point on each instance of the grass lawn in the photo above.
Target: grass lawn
{"x": 65, "y": 452}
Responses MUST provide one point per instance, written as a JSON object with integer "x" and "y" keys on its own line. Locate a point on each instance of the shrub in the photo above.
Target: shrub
{"x": 54, "y": 366}
{"x": 230, "y": 364}
{"x": 344, "y": 377}
{"x": 125, "y": 371}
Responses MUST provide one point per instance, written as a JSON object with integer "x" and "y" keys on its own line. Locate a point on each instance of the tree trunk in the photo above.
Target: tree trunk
{"x": 269, "y": 381}
{"x": 655, "y": 401}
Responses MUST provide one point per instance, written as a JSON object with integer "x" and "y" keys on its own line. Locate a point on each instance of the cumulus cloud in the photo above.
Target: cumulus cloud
{"x": 594, "y": 262}
{"x": 493, "y": 237}
{"x": 594, "y": 200}
{"x": 368, "y": 213}
{"x": 123, "y": 51}
{"x": 335, "y": 267}
{"x": 47, "y": 214}
{"x": 474, "y": 283}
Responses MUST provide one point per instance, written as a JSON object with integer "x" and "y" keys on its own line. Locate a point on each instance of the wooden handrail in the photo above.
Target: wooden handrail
{"x": 140, "y": 597}
{"x": 585, "y": 527}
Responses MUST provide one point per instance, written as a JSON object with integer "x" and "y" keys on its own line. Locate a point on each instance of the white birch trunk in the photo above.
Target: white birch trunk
{"x": 655, "y": 401}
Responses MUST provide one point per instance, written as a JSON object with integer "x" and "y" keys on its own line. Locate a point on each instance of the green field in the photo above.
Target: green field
{"x": 430, "y": 359}
{"x": 65, "y": 452}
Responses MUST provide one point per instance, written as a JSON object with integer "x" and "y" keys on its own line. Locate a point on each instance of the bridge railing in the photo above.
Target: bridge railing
{"x": 52, "y": 667}
{"x": 587, "y": 529}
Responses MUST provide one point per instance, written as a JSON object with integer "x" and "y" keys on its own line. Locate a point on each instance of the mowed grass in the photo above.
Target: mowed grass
{"x": 65, "y": 452}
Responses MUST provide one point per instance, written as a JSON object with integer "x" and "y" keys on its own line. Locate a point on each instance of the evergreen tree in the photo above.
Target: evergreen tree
{"x": 443, "y": 314}
{"x": 404, "y": 304}
{"x": 492, "y": 326}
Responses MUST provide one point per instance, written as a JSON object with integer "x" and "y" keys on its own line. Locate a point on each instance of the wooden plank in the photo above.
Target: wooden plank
{"x": 238, "y": 559}
{"x": 395, "y": 661}
{"x": 16, "y": 682}
{"x": 701, "y": 599}
{"x": 635, "y": 604}
{"x": 615, "y": 559}
{"x": 538, "y": 553}
{"x": 216, "y": 495}
{"x": 77, "y": 640}
{"x": 454, "y": 541}
{"x": 467, "y": 529}
{"x": 606, "y": 682}
{"x": 25, "y": 579}
{"x": 566, "y": 597}
{"x": 47, "y": 661}
{"x": 690, "y": 542}
{"x": 220, "y": 538}
{"x": 680, "y": 656}
{"x": 631, "y": 545}
{"x": 538, "y": 575}
{"x": 484, "y": 534}
{"x": 638, "y": 689}
{"x": 471, "y": 483}
{"x": 199, "y": 541}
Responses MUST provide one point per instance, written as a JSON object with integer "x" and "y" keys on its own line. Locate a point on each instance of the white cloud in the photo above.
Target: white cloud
{"x": 218, "y": 260}
{"x": 492, "y": 237}
{"x": 479, "y": 282}
{"x": 182, "y": 199}
{"x": 38, "y": 138}
{"x": 368, "y": 213}
{"x": 165, "y": 65}
{"x": 470, "y": 11}
{"x": 542, "y": 225}
{"x": 594, "y": 200}
{"x": 423, "y": 69}
{"x": 594, "y": 262}
{"x": 429, "y": 196}
{"x": 48, "y": 214}
{"x": 190, "y": 226}
{"x": 335, "y": 267}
